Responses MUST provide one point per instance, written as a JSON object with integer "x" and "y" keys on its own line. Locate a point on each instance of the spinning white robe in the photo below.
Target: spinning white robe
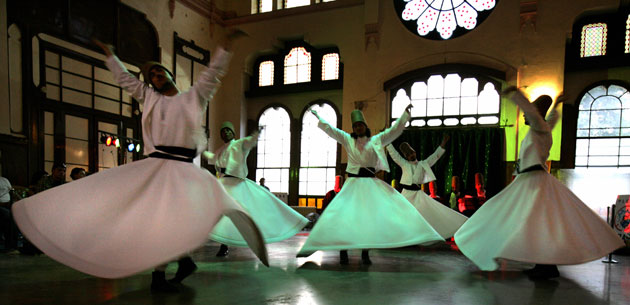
{"x": 535, "y": 219}
{"x": 130, "y": 218}
{"x": 443, "y": 219}
{"x": 367, "y": 212}
{"x": 276, "y": 220}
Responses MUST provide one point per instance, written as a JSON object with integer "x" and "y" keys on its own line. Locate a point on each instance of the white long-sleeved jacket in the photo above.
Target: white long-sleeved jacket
{"x": 364, "y": 151}
{"x": 537, "y": 142}
{"x": 173, "y": 120}
{"x": 233, "y": 155}
{"x": 417, "y": 172}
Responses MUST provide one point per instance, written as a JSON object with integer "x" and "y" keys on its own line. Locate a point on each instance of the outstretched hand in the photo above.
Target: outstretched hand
{"x": 408, "y": 109}
{"x": 208, "y": 155}
{"x": 260, "y": 129}
{"x": 444, "y": 140}
{"x": 108, "y": 49}
{"x": 315, "y": 113}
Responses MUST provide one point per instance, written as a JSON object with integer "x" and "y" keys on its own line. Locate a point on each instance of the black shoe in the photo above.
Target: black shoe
{"x": 185, "y": 267}
{"x": 223, "y": 251}
{"x": 159, "y": 283}
{"x": 543, "y": 272}
{"x": 343, "y": 257}
{"x": 529, "y": 271}
{"x": 365, "y": 257}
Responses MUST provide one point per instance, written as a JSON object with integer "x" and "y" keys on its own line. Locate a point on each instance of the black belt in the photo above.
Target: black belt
{"x": 222, "y": 171}
{"x": 167, "y": 152}
{"x": 536, "y": 167}
{"x": 364, "y": 172}
{"x": 413, "y": 187}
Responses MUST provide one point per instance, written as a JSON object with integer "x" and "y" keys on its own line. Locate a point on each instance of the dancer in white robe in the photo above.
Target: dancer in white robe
{"x": 367, "y": 213}
{"x": 133, "y": 217}
{"x": 535, "y": 219}
{"x": 275, "y": 219}
{"x": 415, "y": 173}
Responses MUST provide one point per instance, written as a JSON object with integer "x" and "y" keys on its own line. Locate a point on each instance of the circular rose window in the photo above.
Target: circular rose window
{"x": 442, "y": 19}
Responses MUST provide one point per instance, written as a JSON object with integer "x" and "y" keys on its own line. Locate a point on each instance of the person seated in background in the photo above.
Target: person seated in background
{"x": 459, "y": 201}
{"x": 77, "y": 173}
{"x": 5, "y": 212}
{"x": 433, "y": 188}
{"x": 456, "y": 193}
{"x": 481, "y": 190}
{"x": 262, "y": 183}
{"x": 56, "y": 178}
{"x": 331, "y": 194}
{"x": 38, "y": 175}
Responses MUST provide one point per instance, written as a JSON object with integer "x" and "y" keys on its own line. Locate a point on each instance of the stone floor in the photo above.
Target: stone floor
{"x": 412, "y": 275}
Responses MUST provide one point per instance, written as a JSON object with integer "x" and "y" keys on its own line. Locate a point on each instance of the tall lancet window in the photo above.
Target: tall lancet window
{"x": 274, "y": 149}
{"x": 318, "y": 153}
{"x": 330, "y": 66}
{"x": 265, "y": 74}
{"x": 297, "y": 66}
{"x": 593, "y": 41}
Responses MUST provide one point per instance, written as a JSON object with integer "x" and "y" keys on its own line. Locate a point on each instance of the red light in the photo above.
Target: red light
{"x": 108, "y": 141}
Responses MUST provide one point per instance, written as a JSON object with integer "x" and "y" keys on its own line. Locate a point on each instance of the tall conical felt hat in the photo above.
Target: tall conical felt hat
{"x": 405, "y": 148}
{"x": 146, "y": 68}
{"x": 357, "y": 116}
{"x": 227, "y": 124}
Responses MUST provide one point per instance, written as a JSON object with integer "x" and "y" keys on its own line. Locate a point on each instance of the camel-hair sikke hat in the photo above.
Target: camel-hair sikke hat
{"x": 228, "y": 125}
{"x": 405, "y": 148}
{"x": 146, "y": 68}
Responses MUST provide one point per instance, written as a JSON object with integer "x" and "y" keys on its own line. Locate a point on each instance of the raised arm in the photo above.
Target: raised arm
{"x": 439, "y": 152}
{"x": 393, "y": 132}
{"x": 333, "y": 132}
{"x": 125, "y": 79}
{"x": 210, "y": 79}
{"x": 251, "y": 141}
{"x": 553, "y": 116}
{"x": 395, "y": 155}
{"x": 536, "y": 121}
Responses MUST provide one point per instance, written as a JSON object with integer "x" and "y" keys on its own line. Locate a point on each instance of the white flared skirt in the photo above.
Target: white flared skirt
{"x": 275, "y": 219}
{"x": 367, "y": 214}
{"x": 443, "y": 219}
{"x": 130, "y": 218}
{"x": 535, "y": 219}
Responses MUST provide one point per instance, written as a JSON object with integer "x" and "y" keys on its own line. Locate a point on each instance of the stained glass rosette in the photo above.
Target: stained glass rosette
{"x": 442, "y": 19}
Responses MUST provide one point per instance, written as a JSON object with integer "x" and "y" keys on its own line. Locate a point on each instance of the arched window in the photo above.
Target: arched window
{"x": 449, "y": 101}
{"x": 274, "y": 149}
{"x": 603, "y": 133}
{"x": 330, "y": 66}
{"x": 265, "y": 71}
{"x": 297, "y": 66}
{"x": 593, "y": 42}
{"x": 318, "y": 153}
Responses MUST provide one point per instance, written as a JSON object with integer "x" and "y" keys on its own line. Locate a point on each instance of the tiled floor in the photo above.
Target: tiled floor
{"x": 413, "y": 275}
